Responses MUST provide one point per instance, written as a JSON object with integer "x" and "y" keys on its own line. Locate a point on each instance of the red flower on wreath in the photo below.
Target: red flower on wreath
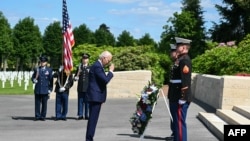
{"x": 142, "y": 105}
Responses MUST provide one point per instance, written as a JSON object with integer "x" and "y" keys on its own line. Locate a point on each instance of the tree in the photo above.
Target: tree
{"x": 146, "y": 40}
{"x": 83, "y": 35}
{"x": 6, "y": 42}
{"x": 199, "y": 36}
{"x": 103, "y": 36}
{"x": 188, "y": 24}
{"x": 125, "y": 39}
{"x": 235, "y": 21}
{"x": 167, "y": 37}
{"x": 27, "y": 43}
{"x": 182, "y": 26}
{"x": 53, "y": 44}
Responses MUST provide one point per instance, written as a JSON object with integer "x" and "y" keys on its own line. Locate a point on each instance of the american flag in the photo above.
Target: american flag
{"x": 68, "y": 40}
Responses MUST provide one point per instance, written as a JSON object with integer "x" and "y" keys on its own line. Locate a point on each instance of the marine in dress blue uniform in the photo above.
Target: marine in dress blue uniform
{"x": 82, "y": 76}
{"x": 97, "y": 90}
{"x": 43, "y": 80}
{"x": 63, "y": 84}
{"x": 180, "y": 90}
{"x": 173, "y": 56}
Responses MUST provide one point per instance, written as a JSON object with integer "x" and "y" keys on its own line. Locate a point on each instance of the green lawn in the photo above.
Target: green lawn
{"x": 16, "y": 89}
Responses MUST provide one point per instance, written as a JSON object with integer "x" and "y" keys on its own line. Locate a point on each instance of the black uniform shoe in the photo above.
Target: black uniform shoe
{"x": 80, "y": 118}
{"x": 42, "y": 119}
{"x": 86, "y": 118}
{"x": 64, "y": 119}
{"x": 171, "y": 138}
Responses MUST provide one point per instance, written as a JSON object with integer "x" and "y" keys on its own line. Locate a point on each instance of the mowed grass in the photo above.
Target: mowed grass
{"x": 16, "y": 89}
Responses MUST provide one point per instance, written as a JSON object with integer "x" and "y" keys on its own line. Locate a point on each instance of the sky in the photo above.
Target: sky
{"x": 138, "y": 17}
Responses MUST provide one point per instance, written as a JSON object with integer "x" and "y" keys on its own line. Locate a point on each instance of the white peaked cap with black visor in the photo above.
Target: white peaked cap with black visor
{"x": 182, "y": 40}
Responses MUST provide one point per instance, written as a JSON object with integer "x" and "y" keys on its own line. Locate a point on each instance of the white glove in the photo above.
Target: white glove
{"x": 34, "y": 80}
{"x": 76, "y": 78}
{"x": 49, "y": 91}
{"x": 61, "y": 68}
{"x": 62, "y": 89}
{"x": 181, "y": 102}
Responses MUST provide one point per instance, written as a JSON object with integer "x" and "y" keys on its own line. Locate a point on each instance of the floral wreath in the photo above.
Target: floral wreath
{"x": 144, "y": 108}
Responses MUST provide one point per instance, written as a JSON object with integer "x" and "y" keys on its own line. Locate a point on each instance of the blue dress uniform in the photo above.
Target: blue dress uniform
{"x": 171, "y": 78}
{"x": 82, "y": 73}
{"x": 43, "y": 79}
{"x": 63, "y": 84}
{"x": 180, "y": 93}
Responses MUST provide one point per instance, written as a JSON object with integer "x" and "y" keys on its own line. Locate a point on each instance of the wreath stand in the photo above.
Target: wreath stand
{"x": 160, "y": 91}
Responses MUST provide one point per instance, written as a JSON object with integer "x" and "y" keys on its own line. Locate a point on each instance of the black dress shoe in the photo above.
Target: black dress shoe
{"x": 36, "y": 119}
{"x": 64, "y": 119}
{"x": 86, "y": 118}
{"x": 42, "y": 119}
{"x": 80, "y": 118}
{"x": 169, "y": 138}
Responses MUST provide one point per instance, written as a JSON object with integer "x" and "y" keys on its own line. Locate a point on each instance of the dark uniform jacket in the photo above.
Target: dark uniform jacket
{"x": 181, "y": 72}
{"x": 67, "y": 82}
{"x": 44, "y": 78}
{"x": 83, "y": 73}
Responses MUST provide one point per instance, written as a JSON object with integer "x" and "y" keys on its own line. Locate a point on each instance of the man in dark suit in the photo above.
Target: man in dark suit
{"x": 97, "y": 90}
{"x": 43, "y": 80}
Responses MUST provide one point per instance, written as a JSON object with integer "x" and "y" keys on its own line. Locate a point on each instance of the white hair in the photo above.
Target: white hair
{"x": 105, "y": 54}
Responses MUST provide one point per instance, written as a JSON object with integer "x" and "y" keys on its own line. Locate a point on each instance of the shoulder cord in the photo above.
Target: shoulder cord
{"x": 60, "y": 82}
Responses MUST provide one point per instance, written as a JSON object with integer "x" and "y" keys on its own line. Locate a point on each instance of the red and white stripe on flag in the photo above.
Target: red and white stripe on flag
{"x": 68, "y": 40}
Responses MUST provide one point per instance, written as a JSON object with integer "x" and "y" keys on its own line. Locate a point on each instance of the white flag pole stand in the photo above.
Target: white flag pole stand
{"x": 166, "y": 104}
{"x": 161, "y": 91}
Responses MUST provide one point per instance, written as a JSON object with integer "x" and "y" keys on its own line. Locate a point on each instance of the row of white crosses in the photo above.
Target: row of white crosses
{"x": 19, "y": 76}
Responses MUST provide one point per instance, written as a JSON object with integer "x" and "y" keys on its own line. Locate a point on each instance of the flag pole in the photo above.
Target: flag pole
{"x": 62, "y": 50}
{"x": 62, "y": 63}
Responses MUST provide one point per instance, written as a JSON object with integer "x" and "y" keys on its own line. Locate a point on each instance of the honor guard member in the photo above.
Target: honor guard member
{"x": 63, "y": 84}
{"x": 180, "y": 89}
{"x": 173, "y": 57}
{"x": 82, "y": 76}
{"x": 43, "y": 80}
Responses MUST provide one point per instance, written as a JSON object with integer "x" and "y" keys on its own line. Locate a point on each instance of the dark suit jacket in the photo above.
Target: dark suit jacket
{"x": 98, "y": 80}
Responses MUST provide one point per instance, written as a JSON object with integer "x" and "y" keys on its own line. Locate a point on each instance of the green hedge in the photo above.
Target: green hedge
{"x": 224, "y": 60}
{"x": 130, "y": 58}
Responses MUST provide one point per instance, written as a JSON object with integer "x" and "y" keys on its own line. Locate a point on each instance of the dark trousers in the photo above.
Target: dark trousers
{"x": 94, "y": 111}
{"x": 179, "y": 114}
{"x": 41, "y": 100}
{"x": 83, "y": 104}
{"x": 62, "y": 104}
